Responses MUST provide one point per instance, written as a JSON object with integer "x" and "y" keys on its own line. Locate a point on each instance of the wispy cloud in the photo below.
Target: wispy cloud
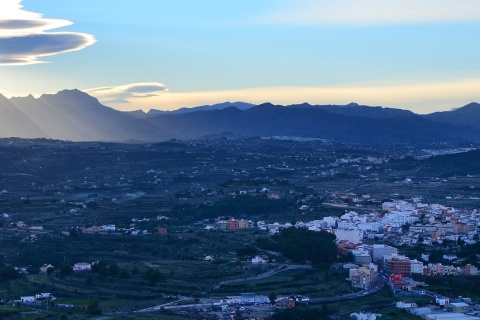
{"x": 374, "y": 12}
{"x": 24, "y": 36}
{"x": 418, "y": 97}
{"x": 122, "y": 94}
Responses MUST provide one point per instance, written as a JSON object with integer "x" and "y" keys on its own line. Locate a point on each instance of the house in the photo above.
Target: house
{"x": 45, "y": 267}
{"x": 21, "y": 270}
{"x": 161, "y": 230}
{"x": 406, "y": 305}
{"x": 300, "y": 298}
{"x": 457, "y": 307}
{"x": 109, "y": 227}
{"x": 44, "y": 295}
{"x": 449, "y": 257}
{"x": 441, "y": 301}
{"x": 27, "y": 299}
{"x": 285, "y": 302}
{"x": 82, "y": 266}
{"x": 259, "y": 259}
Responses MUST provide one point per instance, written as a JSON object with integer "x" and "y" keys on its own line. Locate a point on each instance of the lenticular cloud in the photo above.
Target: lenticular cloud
{"x": 25, "y": 36}
{"x": 121, "y": 94}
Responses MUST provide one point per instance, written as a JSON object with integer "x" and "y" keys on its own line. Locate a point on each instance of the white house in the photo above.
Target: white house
{"x": 352, "y": 236}
{"x": 449, "y": 257}
{"x": 82, "y": 266}
{"x": 45, "y": 267}
{"x": 258, "y": 260}
{"x": 43, "y": 295}
{"x": 441, "y": 301}
{"x": 109, "y": 227}
{"x": 406, "y": 305}
{"x": 27, "y": 299}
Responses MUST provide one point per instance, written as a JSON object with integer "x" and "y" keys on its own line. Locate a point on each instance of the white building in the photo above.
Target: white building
{"x": 244, "y": 298}
{"x": 108, "y": 227}
{"x": 27, "y": 299}
{"x": 406, "y": 305}
{"x": 416, "y": 266}
{"x": 82, "y": 266}
{"x": 352, "y": 236}
{"x": 379, "y": 250}
{"x": 258, "y": 260}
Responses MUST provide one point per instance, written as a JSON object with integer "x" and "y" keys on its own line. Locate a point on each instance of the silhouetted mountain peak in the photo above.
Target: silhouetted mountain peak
{"x": 471, "y": 106}
{"x": 352, "y": 104}
{"x": 468, "y": 115}
{"x": 27, "y": 99}
{"x": 73, "y": 98}
{"x": 218, "y": 106}
{"x": 266, "y": 105}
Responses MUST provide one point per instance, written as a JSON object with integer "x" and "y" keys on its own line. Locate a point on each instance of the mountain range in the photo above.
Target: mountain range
{"x": 74, "y": 115}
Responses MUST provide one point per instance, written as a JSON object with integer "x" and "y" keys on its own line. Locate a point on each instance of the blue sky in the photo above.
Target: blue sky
{"x": 420, "y": 55}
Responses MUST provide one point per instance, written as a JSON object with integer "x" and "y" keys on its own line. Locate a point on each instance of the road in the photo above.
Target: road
{"x": 264, "y": 275}
{"x": 428, "y": 293}
{"x": 372, "y": 289}
{"x": 162, "y": 306}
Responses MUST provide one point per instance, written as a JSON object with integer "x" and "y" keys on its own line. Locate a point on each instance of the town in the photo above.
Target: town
{"x": 211, "y": 229}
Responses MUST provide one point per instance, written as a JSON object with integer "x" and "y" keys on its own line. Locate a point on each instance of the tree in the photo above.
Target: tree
{"x": 153, "y": 275}
{"x": 8, "y": 273}
{"x": 93, "y": 307}
{"x": 50, "y": 270}
{"x": 272, "y": 296}
{"x": 246, "y": 251}
{"x": 325, "y": 312}
{"x": 113, "y": 269}
{"x": 65, "y": 270}
{"x": 124, "y": 274}
{"x": 135, "y": 270}
{"x": 73, "y": 232}
{"x": 420, "y": 239}
{"x": 301, "y": 245}
{"x": 101, "y": 268}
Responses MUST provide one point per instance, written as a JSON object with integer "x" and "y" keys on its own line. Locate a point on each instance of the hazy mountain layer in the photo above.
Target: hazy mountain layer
{"x": 74, "y": 115}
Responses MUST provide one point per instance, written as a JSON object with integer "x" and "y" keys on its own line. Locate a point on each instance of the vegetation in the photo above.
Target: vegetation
{"x": 8, "y": 273}
{"x": 302, "y": 245}
{"x": 453, "y": 286}
{"x": 241, "y": 205}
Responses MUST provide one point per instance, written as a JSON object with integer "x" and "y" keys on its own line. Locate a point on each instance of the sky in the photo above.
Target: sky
{"x": 421, "y": 55}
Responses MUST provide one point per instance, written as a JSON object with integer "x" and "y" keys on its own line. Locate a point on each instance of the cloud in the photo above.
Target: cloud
{"x": 122, "y": 94}
{"x": 418, "y": 97}
{"x": 24, "y": 37}
{"x": 374, "y": 12}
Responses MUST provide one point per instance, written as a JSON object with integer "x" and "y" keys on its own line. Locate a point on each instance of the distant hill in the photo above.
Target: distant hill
{"x": 451, "y": 164}
{"x": 74, "y": 115}
{"x": 468, "y": 115}
{"x": 219, "y": 106}
{"x": 356, "y": 110}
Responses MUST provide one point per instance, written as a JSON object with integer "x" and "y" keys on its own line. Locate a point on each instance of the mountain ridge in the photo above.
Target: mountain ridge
{"x": 75, "y": 115}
